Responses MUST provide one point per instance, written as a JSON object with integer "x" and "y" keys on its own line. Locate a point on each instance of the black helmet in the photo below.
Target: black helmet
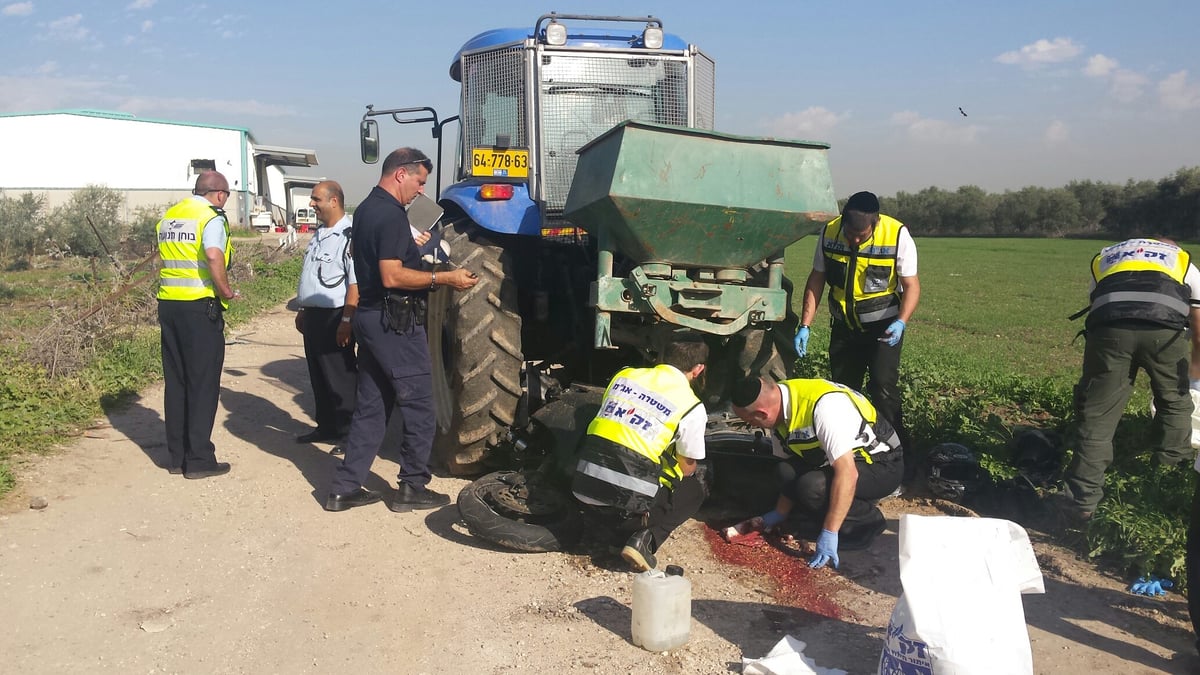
{"x": 954, "y": 472}
{"x": 1038, "y": 456}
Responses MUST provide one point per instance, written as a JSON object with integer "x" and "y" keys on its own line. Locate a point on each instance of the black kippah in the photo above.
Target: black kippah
{"x": 745, "y": 391}
{"x": 863, "y": 202}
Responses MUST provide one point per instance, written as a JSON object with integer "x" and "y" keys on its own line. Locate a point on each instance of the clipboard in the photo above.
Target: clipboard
{"x": 423, "y": 213}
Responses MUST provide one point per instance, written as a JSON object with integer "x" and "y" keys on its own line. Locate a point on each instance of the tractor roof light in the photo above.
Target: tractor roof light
{"x": 652, "y": 37}
{"x": 556, "y": 33}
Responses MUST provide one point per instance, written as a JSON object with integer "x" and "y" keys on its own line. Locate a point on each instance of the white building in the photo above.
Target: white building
{"x": 152, "y": 162}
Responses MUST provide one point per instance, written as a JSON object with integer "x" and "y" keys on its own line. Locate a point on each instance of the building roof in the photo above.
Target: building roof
{"x": 124, "y": 116}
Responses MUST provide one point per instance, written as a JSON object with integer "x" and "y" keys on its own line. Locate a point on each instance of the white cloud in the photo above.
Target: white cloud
{"x": 141, "y": 105}
{"x": 1099, "y": 65}
{"x": 68, "y": 28}
{"x": 1126, "y": 86}
{"x": 140, "y": 4}
{"x": 18, "y": 9}
{"x": 47, "y": 68}
{"x": 147, "y": 25}
{"x": 1041, "y": 53}
{"x": 813, "y": 122}
{"x": 927, "y": 130}
{"x": 1057, "y": 133}
{"x": 22, "y": 94}
{"x": 1176, "y": 93}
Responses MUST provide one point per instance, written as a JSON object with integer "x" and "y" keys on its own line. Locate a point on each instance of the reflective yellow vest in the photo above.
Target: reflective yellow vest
{"x": 641, "y": 411}
{"x": 873, "y": 265}
{"x": 1140, "y": 279}
{"x": 799, "y": 433}
{"x": 185, "y": 274}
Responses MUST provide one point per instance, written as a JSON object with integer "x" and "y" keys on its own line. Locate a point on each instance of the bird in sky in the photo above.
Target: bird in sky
{"x": 964, "y": 114}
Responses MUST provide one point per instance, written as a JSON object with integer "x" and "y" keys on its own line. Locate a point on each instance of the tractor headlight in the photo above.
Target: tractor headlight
{"x": 652, "y": 37}
{"x": 556, "y": 33}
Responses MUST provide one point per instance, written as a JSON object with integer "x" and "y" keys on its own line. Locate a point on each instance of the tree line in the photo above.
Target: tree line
{"x": 1168, "y": 207}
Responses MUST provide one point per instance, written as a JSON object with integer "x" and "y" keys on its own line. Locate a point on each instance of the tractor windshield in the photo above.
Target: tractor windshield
{"x": 582, "y": 95}
{"x": 578, "y": 96}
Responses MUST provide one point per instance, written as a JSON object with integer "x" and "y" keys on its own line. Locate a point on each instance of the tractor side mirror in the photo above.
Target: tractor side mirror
{"x": 368, "y": 138}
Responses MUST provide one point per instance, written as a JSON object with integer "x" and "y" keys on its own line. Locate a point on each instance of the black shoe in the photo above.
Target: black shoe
{"x": 220, "y": 469}
{"x": 361, "y": 497}
{"x": 409, "y": 498}
{"x": 317, "y": 436}
{"x": 638, "y": 553}
{"x": 174, "y": 470}
{"x": 862, "y": 535}
{"x": 1066, "y": 514}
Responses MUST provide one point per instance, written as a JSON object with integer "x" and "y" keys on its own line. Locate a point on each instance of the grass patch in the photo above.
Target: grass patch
{"x": 38, "y": 411}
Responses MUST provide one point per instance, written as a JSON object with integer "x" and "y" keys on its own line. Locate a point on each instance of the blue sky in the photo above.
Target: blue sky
{"x": 1053, "y": 91}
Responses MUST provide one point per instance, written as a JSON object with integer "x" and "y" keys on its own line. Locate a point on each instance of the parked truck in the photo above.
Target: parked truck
{"x": 603, "y": 216}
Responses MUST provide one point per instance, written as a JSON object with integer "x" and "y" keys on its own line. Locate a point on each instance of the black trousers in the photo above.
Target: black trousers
{"x": 193, "y": 353}
{"x": 670, "y": 509}
{"x": 394, "y": 373}
{"x": 673, "y": 508}
{"x": 331, "y": 369}
{"x": 808, "y": 488}
{"x": 854, "y": 354}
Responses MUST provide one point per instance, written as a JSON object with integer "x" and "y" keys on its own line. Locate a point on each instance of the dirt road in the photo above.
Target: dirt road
{"x": 129, "y": 569}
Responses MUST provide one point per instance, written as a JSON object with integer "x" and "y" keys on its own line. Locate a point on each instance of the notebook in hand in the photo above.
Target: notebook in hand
{"x": 423, "y": 214}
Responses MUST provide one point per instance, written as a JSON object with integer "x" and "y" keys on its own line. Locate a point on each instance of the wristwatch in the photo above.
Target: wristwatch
{"x": 345, "y": 319}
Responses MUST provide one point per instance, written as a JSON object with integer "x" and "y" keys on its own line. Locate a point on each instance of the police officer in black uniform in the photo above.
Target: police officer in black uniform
{"x": 394, "y": 369}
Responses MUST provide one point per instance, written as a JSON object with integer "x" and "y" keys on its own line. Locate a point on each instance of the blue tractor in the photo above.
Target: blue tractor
{"x": 558, "y": 300}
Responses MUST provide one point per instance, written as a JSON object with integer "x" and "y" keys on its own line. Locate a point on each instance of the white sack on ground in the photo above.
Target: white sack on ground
{"x": 961, "y": 612}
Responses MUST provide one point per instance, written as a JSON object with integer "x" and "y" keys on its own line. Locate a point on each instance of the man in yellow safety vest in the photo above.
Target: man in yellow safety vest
{"x": 193, "y": 293}
{"x": 640, "y": 454}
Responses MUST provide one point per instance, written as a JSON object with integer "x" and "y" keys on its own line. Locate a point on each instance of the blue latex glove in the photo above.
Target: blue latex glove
{"x": 892, "y": 335}
{"x": 1195, "y": 385}
{"x": 801, "y": 342}
{"x": 772, "y": 518}
{"x": 826, "y": 550}
{"x": 1150, "y": 586}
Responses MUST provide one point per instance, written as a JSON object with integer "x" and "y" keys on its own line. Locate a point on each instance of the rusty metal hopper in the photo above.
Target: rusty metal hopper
{"x": 695, "y": 198}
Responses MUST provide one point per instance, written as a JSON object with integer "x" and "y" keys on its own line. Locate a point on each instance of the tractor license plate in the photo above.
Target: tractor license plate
{"x": 499, "y": 163}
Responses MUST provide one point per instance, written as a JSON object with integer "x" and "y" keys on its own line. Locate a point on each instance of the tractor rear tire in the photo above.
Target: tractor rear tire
{"x": 762, "y": 356}
{"x": 479, "y": 355}
{"x": 522, "y": 511}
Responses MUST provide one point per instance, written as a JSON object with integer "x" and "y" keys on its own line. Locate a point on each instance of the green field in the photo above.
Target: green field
{"x": 997, "y": 306}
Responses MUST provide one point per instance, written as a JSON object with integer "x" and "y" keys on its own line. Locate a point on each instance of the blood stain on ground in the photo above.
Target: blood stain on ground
{"x": 796, "y": 584}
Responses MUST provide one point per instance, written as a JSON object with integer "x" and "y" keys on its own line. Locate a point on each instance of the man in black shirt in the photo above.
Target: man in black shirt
{"x": 393, "y": 356}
